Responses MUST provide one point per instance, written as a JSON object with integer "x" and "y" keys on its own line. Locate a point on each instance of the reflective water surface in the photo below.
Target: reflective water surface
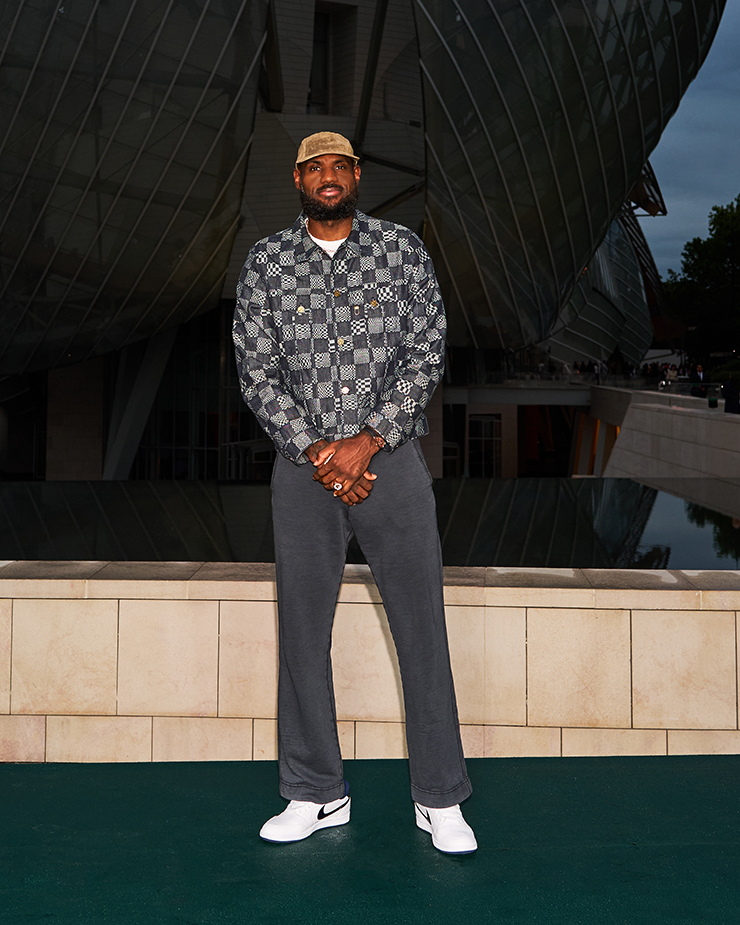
{"x": 546, "y": 523}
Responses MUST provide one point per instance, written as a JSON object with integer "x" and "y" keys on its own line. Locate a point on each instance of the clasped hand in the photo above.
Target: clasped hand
{"x": 344, "y": 462}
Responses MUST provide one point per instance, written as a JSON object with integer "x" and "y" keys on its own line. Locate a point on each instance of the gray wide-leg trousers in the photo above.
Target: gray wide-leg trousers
{"x": 396, "y": 528}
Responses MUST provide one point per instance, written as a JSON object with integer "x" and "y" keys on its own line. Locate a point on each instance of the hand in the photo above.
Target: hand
{"x": 313, "y": 450}
{"x": 346, "y": 462}
{"x": 360, "y": 490}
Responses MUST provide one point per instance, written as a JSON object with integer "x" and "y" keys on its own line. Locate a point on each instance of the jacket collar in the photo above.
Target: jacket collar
{"x": 306, "y": 250}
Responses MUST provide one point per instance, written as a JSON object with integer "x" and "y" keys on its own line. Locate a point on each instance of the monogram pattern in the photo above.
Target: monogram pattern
{"x": 325, "y": 346}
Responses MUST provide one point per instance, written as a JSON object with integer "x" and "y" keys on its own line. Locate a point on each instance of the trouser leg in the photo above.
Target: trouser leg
{"x": 397, "y": 531}
{"x": 311, "y": 530}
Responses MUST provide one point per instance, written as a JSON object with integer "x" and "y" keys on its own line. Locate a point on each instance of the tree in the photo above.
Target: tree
{"x": 705, "y": 295}
{"x": 726, "y": 530}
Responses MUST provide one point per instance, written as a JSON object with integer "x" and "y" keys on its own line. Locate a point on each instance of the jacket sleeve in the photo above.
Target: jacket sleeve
{"x": 284, "y": 420}
{"x": 419, "y": 362}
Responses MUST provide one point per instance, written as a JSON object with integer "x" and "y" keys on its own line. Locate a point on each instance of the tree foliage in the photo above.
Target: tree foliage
{"x": 726, "y": 530}
{"x": 705, "y": 295}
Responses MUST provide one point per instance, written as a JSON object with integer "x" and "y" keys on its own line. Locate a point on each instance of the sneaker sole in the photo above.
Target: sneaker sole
{"x": 340, "y": 818}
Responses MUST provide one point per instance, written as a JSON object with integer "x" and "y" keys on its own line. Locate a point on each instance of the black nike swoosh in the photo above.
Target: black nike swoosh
{"x": 323, "y": 814}
{"x": 425, "y": 815}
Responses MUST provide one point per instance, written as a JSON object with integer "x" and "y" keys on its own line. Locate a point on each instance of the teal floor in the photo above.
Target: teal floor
{"x": 562, "y": 840}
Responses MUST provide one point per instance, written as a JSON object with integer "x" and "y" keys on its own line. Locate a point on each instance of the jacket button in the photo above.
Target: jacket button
{"x": 337, "y": 293}
{"x": 345, "y": 390}
{"x": 340, "y": 341}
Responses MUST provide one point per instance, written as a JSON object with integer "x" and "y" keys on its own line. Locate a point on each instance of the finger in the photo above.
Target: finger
{"x": 326, "y": 469}
{"x": 329, "y": 481}
{"x": 369, "y": 475}
{"x": 323, "y": 456}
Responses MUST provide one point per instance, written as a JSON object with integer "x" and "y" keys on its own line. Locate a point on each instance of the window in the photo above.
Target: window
{"x": 331, "y": 86}
{"x": 484, "y": 446}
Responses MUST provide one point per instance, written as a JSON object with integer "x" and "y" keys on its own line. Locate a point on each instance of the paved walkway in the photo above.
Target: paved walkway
{"x": 577, "y": 840}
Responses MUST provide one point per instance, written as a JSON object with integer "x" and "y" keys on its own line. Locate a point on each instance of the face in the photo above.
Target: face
{"x": 328, "y": 187}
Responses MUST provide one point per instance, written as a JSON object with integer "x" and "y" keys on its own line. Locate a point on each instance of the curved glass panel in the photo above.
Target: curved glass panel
{"x": 124, "y": 155}
{"x": 540, "y": 115}
{"x": 608, "y": 308}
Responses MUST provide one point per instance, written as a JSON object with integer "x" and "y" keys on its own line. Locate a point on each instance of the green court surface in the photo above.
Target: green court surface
{"x": 562, "y": 840}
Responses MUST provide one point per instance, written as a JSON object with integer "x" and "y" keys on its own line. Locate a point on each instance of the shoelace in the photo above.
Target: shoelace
{"x": 302, "y": 807}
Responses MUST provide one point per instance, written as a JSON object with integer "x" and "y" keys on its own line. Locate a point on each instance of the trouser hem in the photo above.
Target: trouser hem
{"x": 312, "y": 794}
{"x": 439, "y": 799}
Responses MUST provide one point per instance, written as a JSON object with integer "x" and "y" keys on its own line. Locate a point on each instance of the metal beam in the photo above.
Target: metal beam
{"x": 371, "y": 67}
{"x": 136, "y": 389}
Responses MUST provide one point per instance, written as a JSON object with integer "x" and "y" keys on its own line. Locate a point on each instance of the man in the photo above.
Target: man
{"x": 339, "y": 334}
{"x": 697, "y": 375}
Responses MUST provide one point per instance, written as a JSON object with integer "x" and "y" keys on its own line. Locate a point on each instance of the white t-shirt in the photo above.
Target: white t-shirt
{"x": 331, "y": 247}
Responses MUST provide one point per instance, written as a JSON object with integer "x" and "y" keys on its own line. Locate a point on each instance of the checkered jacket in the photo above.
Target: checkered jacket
{"x": 325, "y": 346}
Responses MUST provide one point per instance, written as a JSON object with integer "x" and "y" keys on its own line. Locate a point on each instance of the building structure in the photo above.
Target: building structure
{"x": 146, "y": 147}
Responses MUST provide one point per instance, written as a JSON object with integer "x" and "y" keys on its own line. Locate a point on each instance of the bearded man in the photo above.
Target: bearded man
{"x": 339, "y": 333}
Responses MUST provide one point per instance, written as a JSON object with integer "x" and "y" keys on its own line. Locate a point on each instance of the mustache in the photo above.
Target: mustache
{"x": 326, "y": 186}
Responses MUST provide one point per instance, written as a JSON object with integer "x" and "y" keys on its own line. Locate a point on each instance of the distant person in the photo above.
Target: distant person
{"x": 699, "y": 377}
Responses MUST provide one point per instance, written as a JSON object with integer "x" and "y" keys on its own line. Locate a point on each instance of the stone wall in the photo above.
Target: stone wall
{"x": 177, "y": 662}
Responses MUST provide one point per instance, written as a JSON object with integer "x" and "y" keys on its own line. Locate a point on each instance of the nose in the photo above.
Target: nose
{"x": 327, "y": 176}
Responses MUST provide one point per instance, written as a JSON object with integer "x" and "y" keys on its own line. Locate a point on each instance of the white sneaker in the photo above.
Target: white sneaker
{"x": 300, "y": 819}
{"x": 450, "y": 832}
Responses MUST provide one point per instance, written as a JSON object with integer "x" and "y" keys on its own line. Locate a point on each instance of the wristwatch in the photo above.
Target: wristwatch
{"x": 377, "y": 439}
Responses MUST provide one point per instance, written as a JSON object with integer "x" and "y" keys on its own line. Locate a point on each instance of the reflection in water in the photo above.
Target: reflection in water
{"x": 725, "y": 530}
{"x": 550, "y": 523}
{"x": 545, "y": 523}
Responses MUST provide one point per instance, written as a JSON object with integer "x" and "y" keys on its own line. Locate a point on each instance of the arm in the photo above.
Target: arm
{"x": 258, "y": 365}
{"x": 419, "y": 360}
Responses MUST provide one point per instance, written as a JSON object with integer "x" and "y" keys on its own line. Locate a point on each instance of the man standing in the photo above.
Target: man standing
{"x": 339, "y": 333}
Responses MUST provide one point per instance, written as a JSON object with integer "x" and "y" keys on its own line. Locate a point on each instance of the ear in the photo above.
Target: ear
{"x": 357, "y": 173}
{"x": 297, "y": 178}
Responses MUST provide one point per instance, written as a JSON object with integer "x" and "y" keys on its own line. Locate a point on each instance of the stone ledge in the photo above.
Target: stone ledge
{"x": 256, "y": 581}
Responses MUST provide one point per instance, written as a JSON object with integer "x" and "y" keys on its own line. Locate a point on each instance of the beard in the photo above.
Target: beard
{"x": 329, "y": 212}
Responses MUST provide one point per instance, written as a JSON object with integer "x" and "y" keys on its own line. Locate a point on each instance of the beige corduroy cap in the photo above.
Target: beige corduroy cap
{"x": 324, "y": 143}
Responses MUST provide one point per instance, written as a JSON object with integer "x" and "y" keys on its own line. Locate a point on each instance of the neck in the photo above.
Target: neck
{"x": 330, "y": 231}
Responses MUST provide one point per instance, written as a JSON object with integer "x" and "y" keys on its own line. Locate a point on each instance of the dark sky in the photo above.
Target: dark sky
{"x": 697, "y": 161}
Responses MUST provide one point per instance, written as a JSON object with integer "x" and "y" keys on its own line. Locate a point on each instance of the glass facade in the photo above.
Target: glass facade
{"x": 145, "y": 146}
{"x": 540, "y": 116}
{"x": 126, "y": 131}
